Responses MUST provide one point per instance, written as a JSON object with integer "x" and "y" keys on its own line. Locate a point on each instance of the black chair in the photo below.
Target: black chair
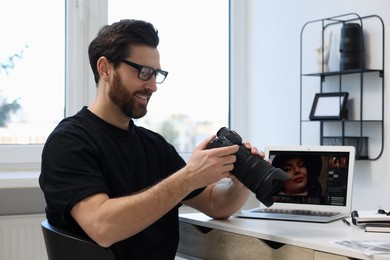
{"x": 62, "y": 245}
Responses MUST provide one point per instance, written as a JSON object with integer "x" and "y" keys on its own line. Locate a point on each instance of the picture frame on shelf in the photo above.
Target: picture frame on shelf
{"x": 329, "y": 106}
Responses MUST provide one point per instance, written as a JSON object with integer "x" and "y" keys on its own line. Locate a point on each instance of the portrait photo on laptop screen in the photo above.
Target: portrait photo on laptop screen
{"x": 316, "y": 177}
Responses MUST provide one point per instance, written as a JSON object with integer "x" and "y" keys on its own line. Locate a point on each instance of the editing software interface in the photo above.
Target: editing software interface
{"x": 316, "y": 177}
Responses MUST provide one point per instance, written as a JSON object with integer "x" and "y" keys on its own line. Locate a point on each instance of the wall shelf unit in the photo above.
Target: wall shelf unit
{"x": 323, "y": 69}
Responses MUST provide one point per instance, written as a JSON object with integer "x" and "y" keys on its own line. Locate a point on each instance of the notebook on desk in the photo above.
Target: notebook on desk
{"x": 320, "y": 189}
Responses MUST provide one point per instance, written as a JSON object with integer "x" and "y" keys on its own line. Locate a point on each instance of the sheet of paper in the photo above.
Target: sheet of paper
{"x": 367, "y": 247}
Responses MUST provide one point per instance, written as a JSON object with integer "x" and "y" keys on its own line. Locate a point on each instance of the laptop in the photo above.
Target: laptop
{"x": 324, "y": 195}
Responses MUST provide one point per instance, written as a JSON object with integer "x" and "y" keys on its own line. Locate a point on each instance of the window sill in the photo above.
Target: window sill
{"x": 19, "y": 179}
{"x": 20, "y": 192}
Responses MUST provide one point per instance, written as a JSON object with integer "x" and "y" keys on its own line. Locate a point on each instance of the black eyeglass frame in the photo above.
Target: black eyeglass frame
{"x": 382, "y": 211}
{"x": 141, "y": 67}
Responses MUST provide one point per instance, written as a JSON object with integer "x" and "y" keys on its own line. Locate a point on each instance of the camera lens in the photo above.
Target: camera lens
{"x": 258, "y": 175}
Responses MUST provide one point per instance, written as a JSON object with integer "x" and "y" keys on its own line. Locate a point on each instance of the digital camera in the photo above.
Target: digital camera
{"x": 256, "y": 174}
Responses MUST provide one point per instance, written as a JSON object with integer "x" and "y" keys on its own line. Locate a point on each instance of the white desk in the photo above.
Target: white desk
{"x": 207, "y": 238}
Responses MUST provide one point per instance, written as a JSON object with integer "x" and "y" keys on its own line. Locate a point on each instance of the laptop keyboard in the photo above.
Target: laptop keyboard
{"x": 298, "y": 212}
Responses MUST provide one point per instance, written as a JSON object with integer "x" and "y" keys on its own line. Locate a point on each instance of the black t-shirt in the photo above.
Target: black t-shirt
{"x": 85, "y": 155}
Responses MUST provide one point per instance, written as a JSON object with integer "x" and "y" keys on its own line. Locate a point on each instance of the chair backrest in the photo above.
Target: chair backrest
{"x": 62, "y": 245}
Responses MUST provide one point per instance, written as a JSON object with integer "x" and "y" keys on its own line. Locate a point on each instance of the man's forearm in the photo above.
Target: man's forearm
{"x": 110, "y": 220}
{"x": 228, "y": 197}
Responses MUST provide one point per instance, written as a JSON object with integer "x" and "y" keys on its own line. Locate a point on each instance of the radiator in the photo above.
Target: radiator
{"x": 21, "y": 238}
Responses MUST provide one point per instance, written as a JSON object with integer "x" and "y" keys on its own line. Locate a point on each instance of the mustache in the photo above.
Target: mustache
{"x": 144, "y": 92}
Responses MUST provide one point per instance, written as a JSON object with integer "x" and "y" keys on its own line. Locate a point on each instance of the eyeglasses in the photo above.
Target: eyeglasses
{"x": 381, "y": 211}
{"x": 145, "y": 73}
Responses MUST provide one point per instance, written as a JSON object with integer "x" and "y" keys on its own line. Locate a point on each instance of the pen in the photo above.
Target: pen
{"x": 345, "y": 221}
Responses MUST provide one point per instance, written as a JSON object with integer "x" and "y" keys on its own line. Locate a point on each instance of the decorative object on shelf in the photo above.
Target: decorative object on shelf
{"x": 323, "y": 53}
{"x": 351, "y": 47}
{"x": 329, "y": 106}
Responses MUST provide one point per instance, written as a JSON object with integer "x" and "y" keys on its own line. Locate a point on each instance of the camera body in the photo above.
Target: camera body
{"x": 256, "y": 174}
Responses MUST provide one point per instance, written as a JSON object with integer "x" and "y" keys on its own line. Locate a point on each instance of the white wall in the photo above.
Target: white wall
{"x": 273, "y": 80}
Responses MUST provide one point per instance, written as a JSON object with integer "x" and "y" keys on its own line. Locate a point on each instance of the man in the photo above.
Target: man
{"x": 122, "y": 184}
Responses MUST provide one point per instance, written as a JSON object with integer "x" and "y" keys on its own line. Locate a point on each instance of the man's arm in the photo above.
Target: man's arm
{"x": 108, "y": 221}
{"x": 220, "y": 200}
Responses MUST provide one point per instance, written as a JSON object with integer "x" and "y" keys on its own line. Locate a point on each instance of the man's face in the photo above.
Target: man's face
{"x": 132, "y": 103}
{"x": 127, "y": 91}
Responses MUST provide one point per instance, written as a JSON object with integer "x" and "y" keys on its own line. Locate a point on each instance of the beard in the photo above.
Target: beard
{"x": 127, "y": 101}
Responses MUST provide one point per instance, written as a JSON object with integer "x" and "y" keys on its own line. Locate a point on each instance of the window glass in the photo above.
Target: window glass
{"x": 32, "y": 76}
{"x": 193, "y": 101}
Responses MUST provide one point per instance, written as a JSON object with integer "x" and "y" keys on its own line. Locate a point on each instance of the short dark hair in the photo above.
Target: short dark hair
{"x": 114, "y": 41}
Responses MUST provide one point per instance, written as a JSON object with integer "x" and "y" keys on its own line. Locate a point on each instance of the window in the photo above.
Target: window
{"x": 45, "y": 73}
{"x": 32, "y": 77}
{"x": 32, "y": 70}
{"x": 193, "y": 102}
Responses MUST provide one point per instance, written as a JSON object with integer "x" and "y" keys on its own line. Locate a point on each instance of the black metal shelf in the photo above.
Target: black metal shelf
{"x": 362, "y": 124}
{"x": 345, "y": 121}
{"x": 343, "y": 72}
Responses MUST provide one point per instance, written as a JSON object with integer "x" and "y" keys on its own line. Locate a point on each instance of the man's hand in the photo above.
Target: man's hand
{"x": 219, "y": 199}
{"x": 208, "y": 166}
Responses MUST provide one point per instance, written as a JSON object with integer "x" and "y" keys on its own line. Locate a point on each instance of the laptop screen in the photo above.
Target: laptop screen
{"x": 319, "y": 176}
